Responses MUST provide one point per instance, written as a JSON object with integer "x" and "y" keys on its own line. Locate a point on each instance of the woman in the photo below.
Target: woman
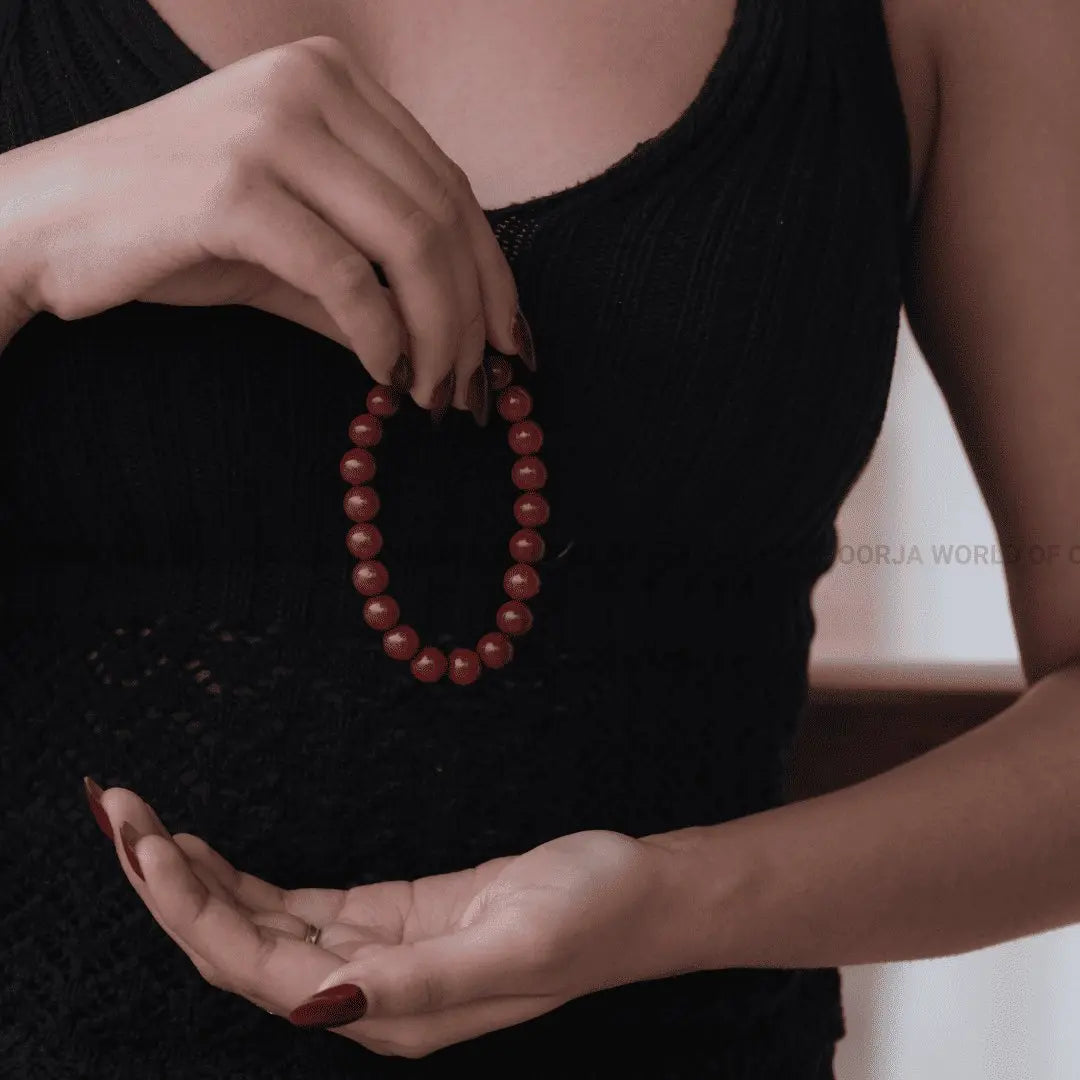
{"x": 571, "y": 850}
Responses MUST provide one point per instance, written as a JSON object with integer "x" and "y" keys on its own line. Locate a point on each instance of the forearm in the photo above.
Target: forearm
{"x": 974, "y": 843}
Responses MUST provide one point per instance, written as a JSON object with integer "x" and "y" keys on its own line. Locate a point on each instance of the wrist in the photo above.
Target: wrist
{"x": 23, "y": 234}
{"x": 711, "y": 885}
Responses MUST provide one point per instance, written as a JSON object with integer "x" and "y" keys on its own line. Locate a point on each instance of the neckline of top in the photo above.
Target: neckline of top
{"x": 172, "y": 57}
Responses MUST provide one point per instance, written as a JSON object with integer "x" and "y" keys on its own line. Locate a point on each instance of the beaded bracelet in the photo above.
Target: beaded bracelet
{"x": 364, "y": 541}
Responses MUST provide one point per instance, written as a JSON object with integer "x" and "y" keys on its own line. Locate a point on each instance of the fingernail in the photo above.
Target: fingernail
{"x": 332, "y": 1007}
{"x": 500, "y": 373}
{"x": 477, "y": 397}
{"x": 93, "y": 797}
{"x": 129, "y": 837}
{"x": 401, "y": 375}
{"x": 523, "y": 340}
{"x": 440, "y": 400}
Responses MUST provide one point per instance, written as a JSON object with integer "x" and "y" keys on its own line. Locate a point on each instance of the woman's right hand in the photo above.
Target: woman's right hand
{"x": 275, "y": 182}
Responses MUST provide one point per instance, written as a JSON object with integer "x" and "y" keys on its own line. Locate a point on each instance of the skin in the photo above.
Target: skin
{"x": 972, "y": 844}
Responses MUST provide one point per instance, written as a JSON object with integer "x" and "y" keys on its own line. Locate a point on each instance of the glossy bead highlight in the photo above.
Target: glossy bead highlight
{"x": 381, "y": 612}
{"x": 527, "y": 546}
{"x": 361, "y": 503}
{"x": 514, "y": 403}
{"x": 401, "y": 642}
{"x": 383, "y": 401}
{"x": 464, "y": 667}
{"x": 364, "y": 541}
{"x": 357, "y": 466}
{"x": 429, "y": 664}
{"x": 495, "y": 650}
{"x": 514, "y": 618}
{"x": 366, "y": 430}
{"x": 370, "y": 577}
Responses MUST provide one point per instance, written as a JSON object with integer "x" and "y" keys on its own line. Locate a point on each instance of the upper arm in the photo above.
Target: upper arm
{"x": 993, "y": 293}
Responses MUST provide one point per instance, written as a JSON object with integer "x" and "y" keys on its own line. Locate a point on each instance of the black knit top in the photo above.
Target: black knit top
{"x": 715, "y": 318}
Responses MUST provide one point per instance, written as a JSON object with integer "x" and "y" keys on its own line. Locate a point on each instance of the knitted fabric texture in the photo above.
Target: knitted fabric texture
{"x": 715, "y": 318}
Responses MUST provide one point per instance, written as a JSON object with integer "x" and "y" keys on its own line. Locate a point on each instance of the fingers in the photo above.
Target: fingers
{"x": 443, "y": 972}
{"x": 246, "y": 889}
{"x": 244, "y": 959}
{"x": 110, "y": 810}
{"x": 497, "y": 286}
{"x": 424, "y": 259}
{"x": 288, "y": 910}
{"x": 127, "y": 806}
{"x": 274, "y": 229}
{"x": 369, "y": 185}
{"x": 440, "y": 188}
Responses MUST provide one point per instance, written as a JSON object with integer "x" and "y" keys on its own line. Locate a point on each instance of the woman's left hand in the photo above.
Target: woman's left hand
{"x": 429, "y": 962}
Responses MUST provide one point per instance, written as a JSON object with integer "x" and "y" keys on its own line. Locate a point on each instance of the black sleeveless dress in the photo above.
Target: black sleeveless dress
{"x": 715, "y": 317}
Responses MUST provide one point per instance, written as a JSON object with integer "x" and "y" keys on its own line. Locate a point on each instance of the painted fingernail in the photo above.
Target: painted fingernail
{"x": 500, "y": 373}
{"x": 401, "y": 375}
{"x": 332, "y": 1007}
{"x": 93, "y": 797}
{"x": 477, "y": 397}
{"x": 443, "y": 395}
{"x": 129, "y": 837}
{"x": 523, "y": 340}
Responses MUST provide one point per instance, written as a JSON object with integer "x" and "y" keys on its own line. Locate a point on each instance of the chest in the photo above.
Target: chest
{"x": 534, "y": 96}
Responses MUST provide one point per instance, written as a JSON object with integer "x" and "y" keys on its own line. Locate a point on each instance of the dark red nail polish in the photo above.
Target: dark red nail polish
{"x": 129, "y": 837}
{"x": 333, "y": 1007}
{"x": 477, "y": 397}
{"x": 401, "y": 375}
{"x": 93, "y": 797}
{"x": 524, "y": 341}
{"x": 500, "y": 373}
{"x": 440, "y": 400}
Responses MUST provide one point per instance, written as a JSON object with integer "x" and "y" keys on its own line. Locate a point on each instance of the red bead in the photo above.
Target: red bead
{"x": 521, "y": 582}
{"x": 383, "y": 401}
{"x": 514, "y": 403}
{"x": 464, "y": 667}
{"x": 529, "y": 473}
{"x": 366, "y": 430}
{"x": 429, "y": 664}
{"x": 525, "y": 437}
{"x": 370, "y": 577}
{"x": 401, "y": 642}
{"x": 364, "y": 541}
{"x": 514, "y": 617}
{"x": 531, "y": 509}
{"x": 361, "y": 503}
{"x": 357, "y": 466}
{"x": 526, "y": 545}
{"x": 495, "y": 649}
{"x": 381, "y": 612}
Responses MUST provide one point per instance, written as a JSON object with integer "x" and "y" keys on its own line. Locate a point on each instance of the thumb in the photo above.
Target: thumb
{"x": 437, "y": 973}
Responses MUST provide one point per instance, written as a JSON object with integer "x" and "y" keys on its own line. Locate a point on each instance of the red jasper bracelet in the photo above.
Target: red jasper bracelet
{"x": 521, "y": 582}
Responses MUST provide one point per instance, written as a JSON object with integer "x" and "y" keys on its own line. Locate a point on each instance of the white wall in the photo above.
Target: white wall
{"x": 1004, "y": 1013}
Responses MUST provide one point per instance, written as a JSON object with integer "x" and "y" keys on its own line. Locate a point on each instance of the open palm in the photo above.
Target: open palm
{"x": 440, "y": 959}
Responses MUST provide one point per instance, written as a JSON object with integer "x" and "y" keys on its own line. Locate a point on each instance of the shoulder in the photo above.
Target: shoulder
{"x": 971, "y": 51}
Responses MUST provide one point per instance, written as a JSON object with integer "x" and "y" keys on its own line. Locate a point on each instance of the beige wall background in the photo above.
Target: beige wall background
{"x": 1010, "y": 1012}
